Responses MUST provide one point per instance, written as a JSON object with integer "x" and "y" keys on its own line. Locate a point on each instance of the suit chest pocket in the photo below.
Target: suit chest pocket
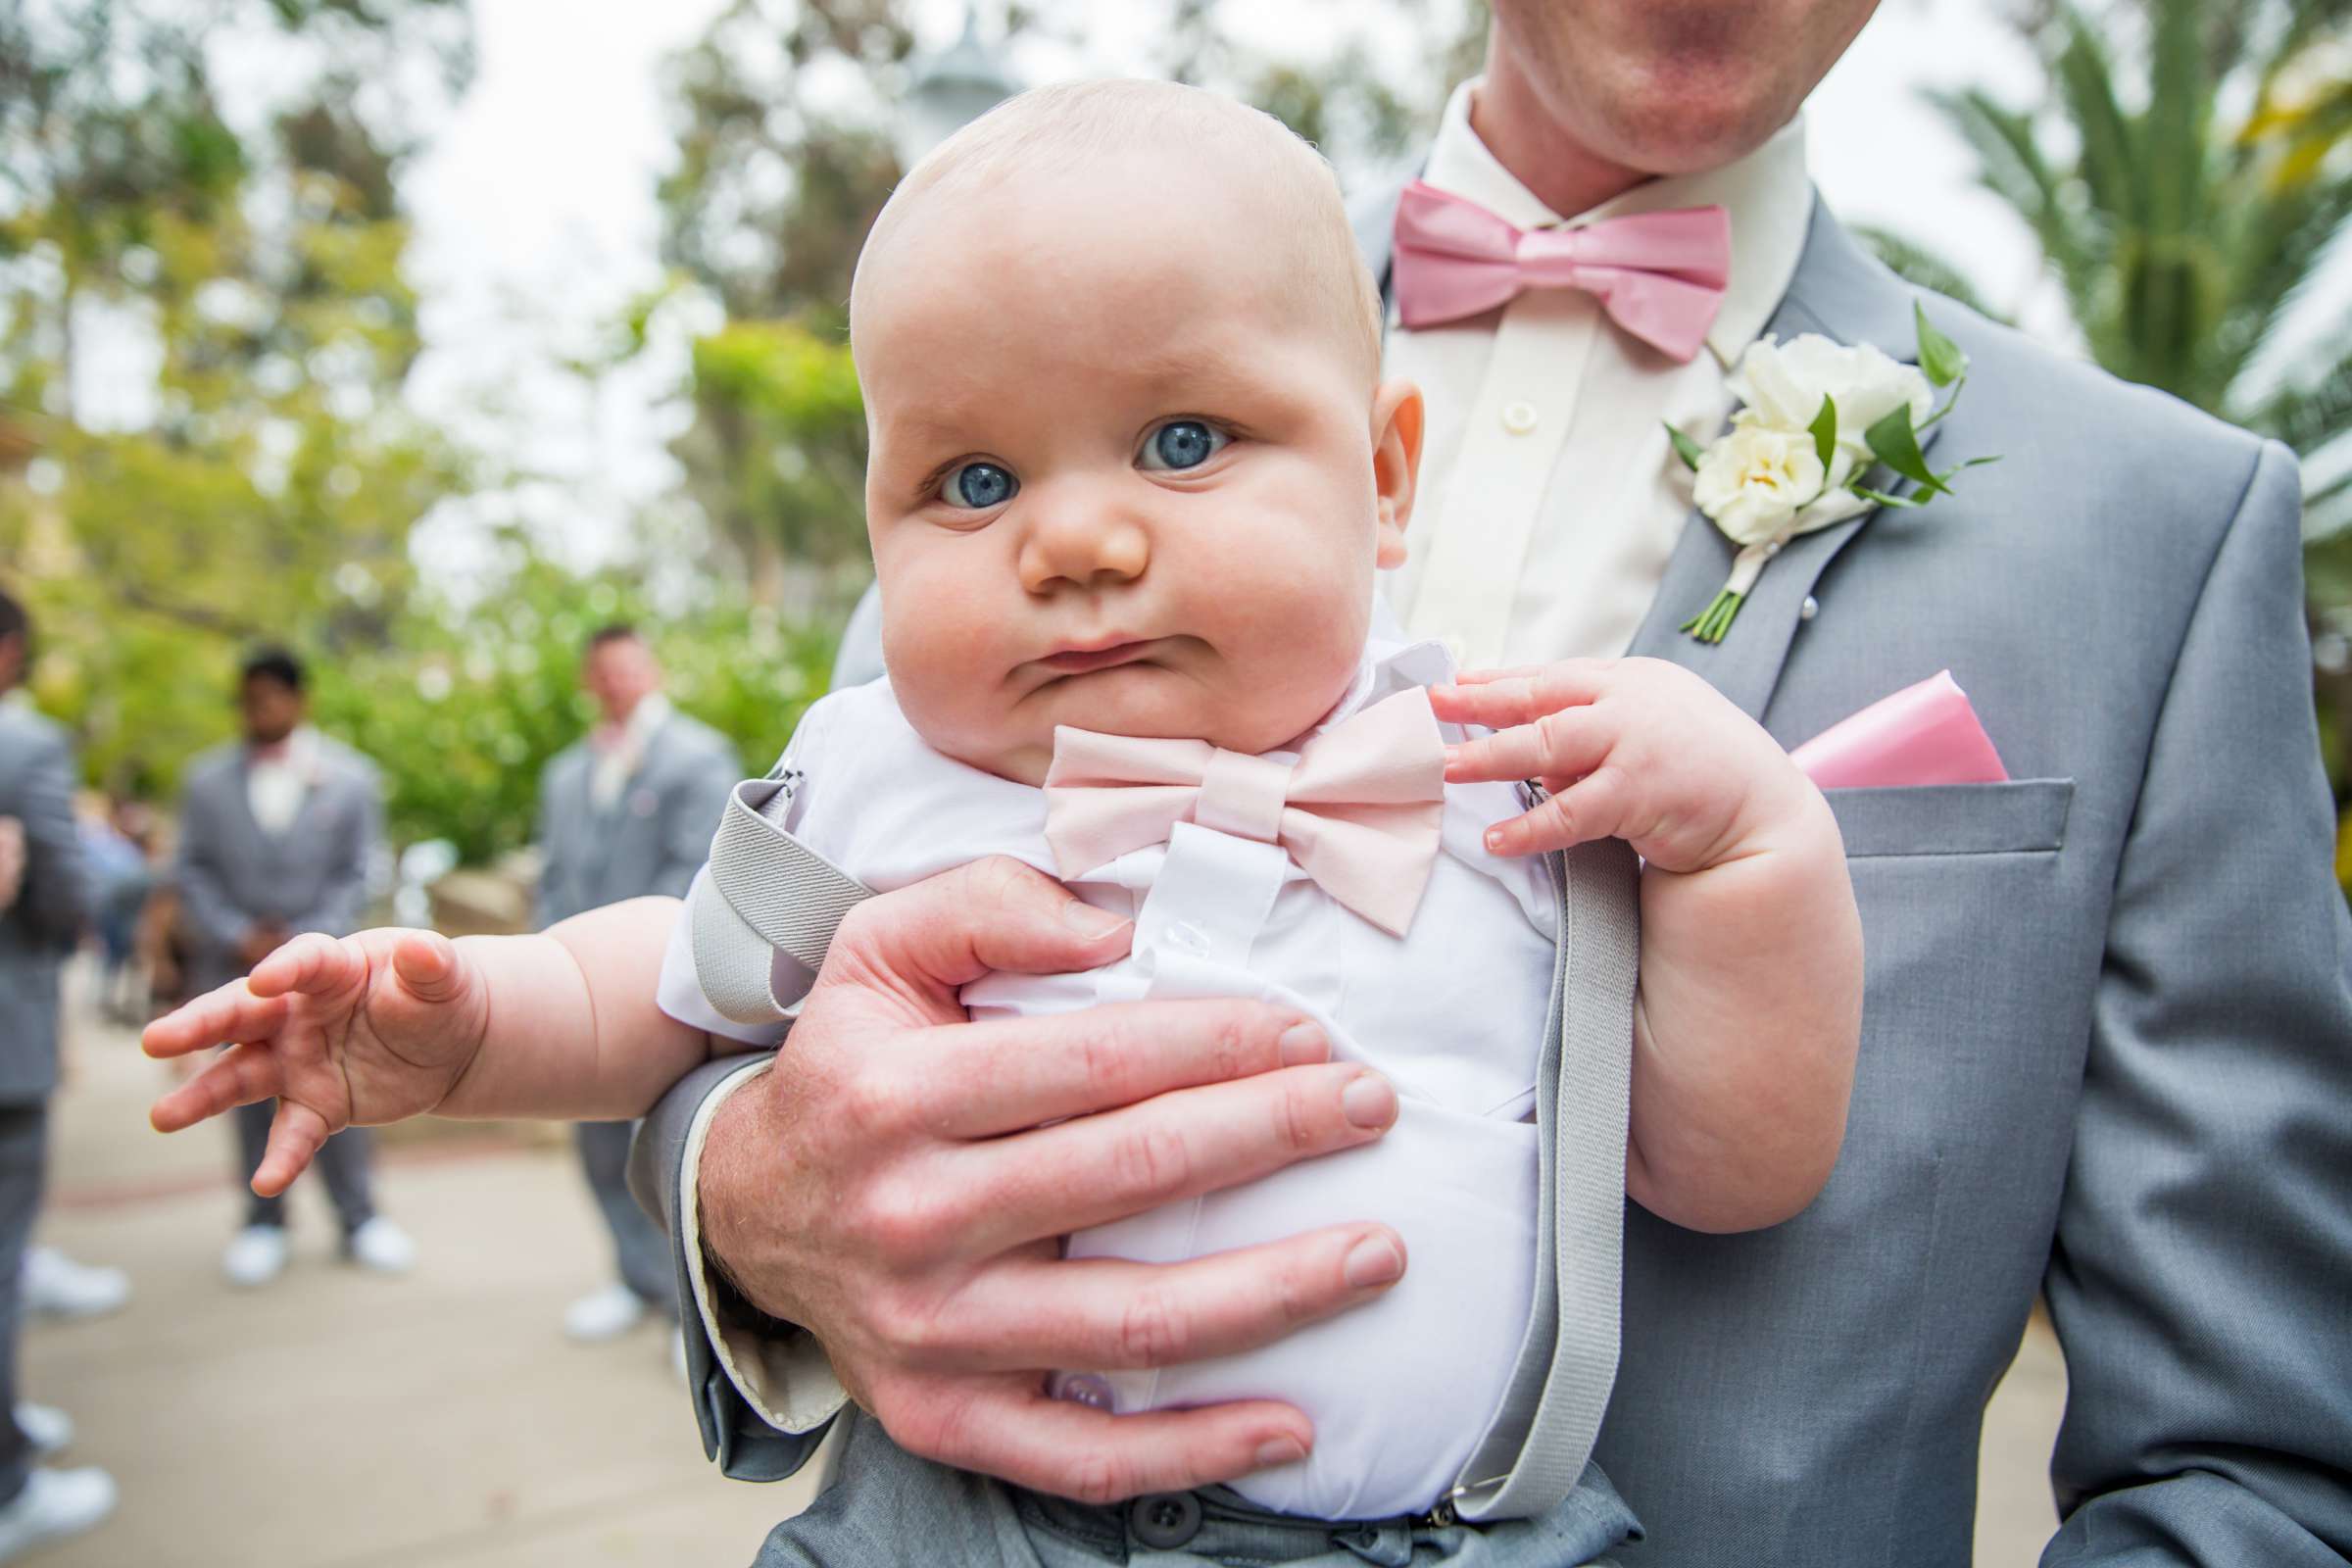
{"x": 2023, "y": 816}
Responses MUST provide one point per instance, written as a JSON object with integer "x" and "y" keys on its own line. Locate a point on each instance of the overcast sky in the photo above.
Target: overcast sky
{"x": 536, "y": 219}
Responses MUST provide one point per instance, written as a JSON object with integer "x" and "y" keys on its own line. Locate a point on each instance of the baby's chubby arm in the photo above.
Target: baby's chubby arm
{"x": 390, "y": 1024}
{"x": 1749, "y": 1011}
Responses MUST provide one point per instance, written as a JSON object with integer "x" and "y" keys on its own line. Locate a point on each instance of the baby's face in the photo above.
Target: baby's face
{"x": 1117, "y": 481}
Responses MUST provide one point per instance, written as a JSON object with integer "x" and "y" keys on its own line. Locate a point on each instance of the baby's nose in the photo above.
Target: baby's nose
{"x": 1083, "y": 546}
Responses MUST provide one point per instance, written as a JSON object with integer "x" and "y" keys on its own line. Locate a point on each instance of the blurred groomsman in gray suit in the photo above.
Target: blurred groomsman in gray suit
{"x": 44, "y": 899}
{"x": 277, "y": 831}
{"x": 625, "y": 812}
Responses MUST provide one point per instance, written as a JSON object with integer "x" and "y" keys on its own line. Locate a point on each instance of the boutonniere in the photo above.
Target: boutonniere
{"x": 1816, "y": 419}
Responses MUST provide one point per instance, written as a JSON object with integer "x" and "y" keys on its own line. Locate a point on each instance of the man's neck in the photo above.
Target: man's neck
{"x": 1524, "y": 137}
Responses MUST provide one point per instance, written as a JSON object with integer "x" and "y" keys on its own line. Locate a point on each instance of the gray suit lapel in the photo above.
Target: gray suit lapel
{"x": 1842, "y": 293}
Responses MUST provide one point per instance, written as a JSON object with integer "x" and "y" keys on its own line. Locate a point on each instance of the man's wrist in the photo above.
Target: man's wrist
{"x": 737, "y": 1124}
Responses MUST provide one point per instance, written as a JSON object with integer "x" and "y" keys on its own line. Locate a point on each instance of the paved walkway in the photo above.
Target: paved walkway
{"x": 342, "y": 1421}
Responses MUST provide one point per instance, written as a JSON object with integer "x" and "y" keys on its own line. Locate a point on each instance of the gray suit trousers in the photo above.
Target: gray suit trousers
{"x": 342, "y": 1162}
{"x": 639, "y": 1248}
{"x": 24, "y": 1151}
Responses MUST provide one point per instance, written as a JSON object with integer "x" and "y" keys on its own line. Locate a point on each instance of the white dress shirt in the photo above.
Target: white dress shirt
{"x": 615, "y": 753}
{"x": 1551, "y": 496}
{"x": 1452, "y": 1014}
{"x": 279, "y": 781}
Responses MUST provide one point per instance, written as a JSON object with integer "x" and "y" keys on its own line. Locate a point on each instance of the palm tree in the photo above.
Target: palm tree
{"x": 2187, "y": 175}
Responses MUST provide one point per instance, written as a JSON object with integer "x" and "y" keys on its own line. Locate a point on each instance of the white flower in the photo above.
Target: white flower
{"x": 1753, "y": 481}
{"x": 1782, "y": 385}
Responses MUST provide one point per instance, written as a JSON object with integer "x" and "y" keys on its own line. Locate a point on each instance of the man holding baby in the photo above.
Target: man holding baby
{"x": 2105, "y": 1044}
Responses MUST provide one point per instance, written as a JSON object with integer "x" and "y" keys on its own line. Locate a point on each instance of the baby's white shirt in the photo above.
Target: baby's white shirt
{"x": 1454, "y": 1014}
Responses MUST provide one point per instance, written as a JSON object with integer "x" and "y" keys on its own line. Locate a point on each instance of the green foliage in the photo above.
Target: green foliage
{"x": 464, "y": 707}
{"x": 779, "y": 436}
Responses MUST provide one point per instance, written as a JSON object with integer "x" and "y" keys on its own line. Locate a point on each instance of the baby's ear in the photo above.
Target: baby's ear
{"x": 1397, "y": 420}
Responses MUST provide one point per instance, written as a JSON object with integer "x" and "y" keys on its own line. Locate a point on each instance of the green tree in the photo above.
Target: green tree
{"x": 264, "y": 483}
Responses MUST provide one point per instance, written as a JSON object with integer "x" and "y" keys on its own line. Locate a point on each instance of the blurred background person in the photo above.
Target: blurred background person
{"x": 625, "y": 812}
{"x": 44, "y": 901}
{"x": 276, "y": 833}
{"x": 117, "y": 837}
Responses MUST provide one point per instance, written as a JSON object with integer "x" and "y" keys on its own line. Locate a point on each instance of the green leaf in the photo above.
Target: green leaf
{"x": 1939, "y": 357}
{"x": 1690, "y": 450}
{"x": 1825, "y": 431}
{"x": 1894, "y": 443}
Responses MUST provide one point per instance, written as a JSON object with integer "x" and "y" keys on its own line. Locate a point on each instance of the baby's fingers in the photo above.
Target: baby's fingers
{"x": 1594, "y": 807}
{"x": 1560, "y": 745}
{"x": 241, "y": 1075}
{"x": 426, "y": 963}
{"x": 294, "y": 1137}
{"x": 228, "y": 1012}
{"x": 313, "y": 964}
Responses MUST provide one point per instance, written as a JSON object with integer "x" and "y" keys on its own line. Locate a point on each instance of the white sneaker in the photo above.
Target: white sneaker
{"x": 255, "y": 1255}
{"x": 605, "y": 1314}
{"x": 54, "y": 1284}
{"x": 47, "y": 1428}
{"x": 381, "y": 1247}
{"x": 54, "y": 1505}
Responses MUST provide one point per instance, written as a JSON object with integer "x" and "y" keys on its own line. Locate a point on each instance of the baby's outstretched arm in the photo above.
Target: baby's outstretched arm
{"x": 390, "y": 1024}
{"x": 1749, "y": 1011}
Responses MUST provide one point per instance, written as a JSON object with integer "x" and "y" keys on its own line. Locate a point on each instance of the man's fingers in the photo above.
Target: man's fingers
{"x": 228, "y": 1012}
{"x": 964, "y": 1081}
{"x": 239, "y": 1076}
{"x": 1562, "y": 745}
{"x": 1094, "y": 1169}
{"x": 1007, "y": 1428}
{"x": 993, "y": 915}
{"x": 1109, "y": 1313}
{"x": 295, "y": 1135}
{"x": 1594, "y": 808}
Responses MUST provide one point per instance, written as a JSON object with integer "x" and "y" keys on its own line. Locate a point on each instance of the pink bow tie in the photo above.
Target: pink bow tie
{"x": 1660, "y": 276}
{"x": 1359, "y": 811}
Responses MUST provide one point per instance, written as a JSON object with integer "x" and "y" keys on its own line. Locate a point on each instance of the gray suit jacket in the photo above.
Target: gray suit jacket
{"x": 2107, "y": 1037}
{"x": 39, "y": 929}
{"x": 313, "y": 877}
{"x": 655, "y": 836}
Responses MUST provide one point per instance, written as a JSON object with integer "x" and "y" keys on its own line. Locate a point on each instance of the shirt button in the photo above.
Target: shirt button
{"x": 1189, "y": 937}
{"x": 1519, "y": 417}
{"x": 1809, "y": 609}
{"x": 1164, "y": 1520}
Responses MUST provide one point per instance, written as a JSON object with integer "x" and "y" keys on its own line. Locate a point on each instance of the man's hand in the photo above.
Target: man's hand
{"x": 371, "y": 1028}
{"x": 889, "y": 1187}
{"x": 12, "y": 861}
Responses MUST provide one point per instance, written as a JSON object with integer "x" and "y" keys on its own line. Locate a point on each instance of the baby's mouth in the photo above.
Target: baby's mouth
{"x": 1080, "y": 660}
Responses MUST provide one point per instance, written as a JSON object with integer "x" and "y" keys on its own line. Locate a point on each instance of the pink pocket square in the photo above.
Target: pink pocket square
{"x": 1924, "y": 734}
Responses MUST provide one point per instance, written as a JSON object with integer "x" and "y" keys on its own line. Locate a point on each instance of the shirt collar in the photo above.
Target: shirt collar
{"x": 1767, "y": 193}
{"x": 649, "y": 714}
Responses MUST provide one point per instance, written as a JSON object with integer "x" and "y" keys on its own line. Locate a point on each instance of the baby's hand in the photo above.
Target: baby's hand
{"x": 1635, "y": 749}
{"x": 373, "y": 1028}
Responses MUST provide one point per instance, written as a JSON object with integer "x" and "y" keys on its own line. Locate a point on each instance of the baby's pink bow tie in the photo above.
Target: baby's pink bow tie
{"x": 1359, "y": 811}
{"x": 1660, "y": 276}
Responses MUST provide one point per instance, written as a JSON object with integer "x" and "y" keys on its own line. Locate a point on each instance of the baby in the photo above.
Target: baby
{"x": 1133, "y": 472}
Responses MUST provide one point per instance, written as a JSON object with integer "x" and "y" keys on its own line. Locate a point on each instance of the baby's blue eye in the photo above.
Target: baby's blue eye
{"x": 1182, "y": 444}
{"x": 979, "y": 485}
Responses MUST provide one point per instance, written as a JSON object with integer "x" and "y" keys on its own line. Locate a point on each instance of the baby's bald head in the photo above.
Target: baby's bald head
{"x": 1278, "y": 201}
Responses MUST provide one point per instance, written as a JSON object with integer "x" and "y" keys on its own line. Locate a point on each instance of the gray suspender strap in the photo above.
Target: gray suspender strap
{"x": 1541, "y": 1437}
{"x": 767, "y": 891}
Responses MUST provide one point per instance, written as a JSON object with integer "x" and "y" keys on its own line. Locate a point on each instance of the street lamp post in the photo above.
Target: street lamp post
{"x": 950, "y": 90}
